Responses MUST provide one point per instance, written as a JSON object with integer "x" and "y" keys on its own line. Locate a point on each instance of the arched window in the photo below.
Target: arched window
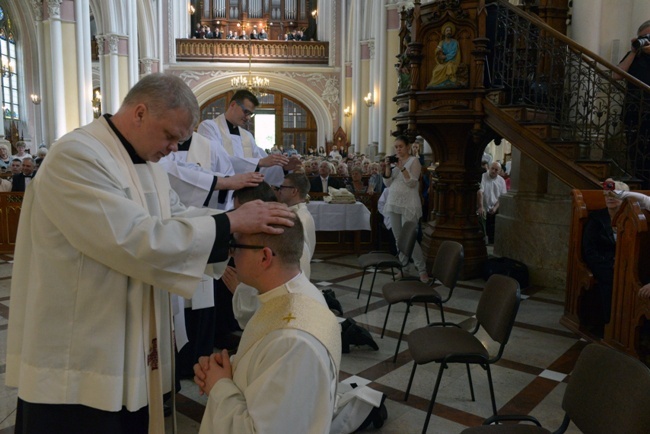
{"x": 10, "y": 100}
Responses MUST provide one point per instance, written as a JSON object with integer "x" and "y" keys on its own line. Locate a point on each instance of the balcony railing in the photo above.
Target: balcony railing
{"x": 235, "y": 50}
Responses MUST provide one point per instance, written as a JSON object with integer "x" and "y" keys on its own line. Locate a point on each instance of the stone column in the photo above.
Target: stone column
{"x": 533, "y": 222}
{"x": 58, "y": 114}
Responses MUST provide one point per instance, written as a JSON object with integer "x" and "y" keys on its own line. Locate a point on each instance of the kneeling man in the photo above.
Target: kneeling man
{"x": 284, "y": 375}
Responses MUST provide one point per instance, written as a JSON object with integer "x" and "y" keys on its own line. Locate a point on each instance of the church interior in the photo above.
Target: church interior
{"x": 533, "y": 88}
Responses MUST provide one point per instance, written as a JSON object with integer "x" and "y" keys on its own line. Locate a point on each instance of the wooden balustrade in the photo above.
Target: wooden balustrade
{"x": 239, "y": 50}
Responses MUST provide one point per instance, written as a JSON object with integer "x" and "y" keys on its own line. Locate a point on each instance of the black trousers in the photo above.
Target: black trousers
{"x": 78, "y": 419}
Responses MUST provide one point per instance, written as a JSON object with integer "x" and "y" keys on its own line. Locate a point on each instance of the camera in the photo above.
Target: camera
{"x": 641, "y": 41}
{"x": 609, "y": 186}
{"x": 392, "y": 159}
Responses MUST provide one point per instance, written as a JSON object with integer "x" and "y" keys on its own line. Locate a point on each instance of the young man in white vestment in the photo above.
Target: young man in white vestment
{"x": 227, "y": 131}
{"x": 202, "y": 176}
{"x": 283, "y": 378}
{"x": 102, "y": 241}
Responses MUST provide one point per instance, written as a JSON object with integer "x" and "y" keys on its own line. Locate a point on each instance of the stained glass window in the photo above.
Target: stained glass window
{"x": 10, "y": 74}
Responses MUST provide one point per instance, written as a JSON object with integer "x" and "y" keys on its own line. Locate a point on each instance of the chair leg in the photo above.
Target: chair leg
{"x": 361, "y": 284}
{"x": 408, "y": 388}
{"x": 385, "y": 321}
{"x": 372, "y": 285}
{"x": 471, "y": 385}
{"x": 401, "y": 332}
{"x": 426, "y": 310}
{"x": 392, "y": 272}
{"x": 494, "y": 402}
{"x": 442, "y": 315}
{"x": 433, "y": 398}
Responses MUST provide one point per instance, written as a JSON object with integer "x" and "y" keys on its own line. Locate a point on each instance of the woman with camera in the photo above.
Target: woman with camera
{"x": 402, "y": 175}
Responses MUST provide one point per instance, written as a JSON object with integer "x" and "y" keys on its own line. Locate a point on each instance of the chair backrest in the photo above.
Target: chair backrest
{"x": 608, "y": 392}
{"x": 498, "y": 308}
{"x": 407, "y": 238}
{"x": 448, "y": 262}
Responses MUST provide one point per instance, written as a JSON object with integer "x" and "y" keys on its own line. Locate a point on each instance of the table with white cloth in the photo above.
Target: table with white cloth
{"x": 334, "y": 217}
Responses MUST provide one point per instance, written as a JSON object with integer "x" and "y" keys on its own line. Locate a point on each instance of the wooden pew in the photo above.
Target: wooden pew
{"x": 579, "y": 279}
{"x": 10, "y": 205}
{"x": 631, "y": 267}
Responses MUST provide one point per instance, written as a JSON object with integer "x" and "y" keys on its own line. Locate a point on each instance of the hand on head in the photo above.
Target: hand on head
{"x": 257, "y": 216}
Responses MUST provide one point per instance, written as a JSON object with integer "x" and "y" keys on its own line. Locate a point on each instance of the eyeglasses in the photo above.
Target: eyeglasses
{"x": 280, "y": 187}
{"x": 232, "y": 246}
{"x": 247, "y": 112}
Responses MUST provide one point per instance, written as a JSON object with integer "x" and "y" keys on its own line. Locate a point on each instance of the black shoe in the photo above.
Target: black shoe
{"x": 352, "y": 334}
{"x": 376, "y": 417}
{"x": 332, "y": 303}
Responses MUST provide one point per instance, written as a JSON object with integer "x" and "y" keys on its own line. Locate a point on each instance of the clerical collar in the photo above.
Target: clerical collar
{"x": 185, "y": 146}
{"x": 233, "y": 129}
{"x": 135, "y": 158}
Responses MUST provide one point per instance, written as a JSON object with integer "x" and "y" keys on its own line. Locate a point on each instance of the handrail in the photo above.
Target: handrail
{"x": 573, "y": 44}
{"x": 572, "y": 90}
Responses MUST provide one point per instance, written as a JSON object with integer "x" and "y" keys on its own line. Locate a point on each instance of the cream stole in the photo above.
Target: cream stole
{"x": 199, "y": 152}
{"x": 105, "y": 135}
{"x": 226, "y": 140}
{"x": 293, "y": 311}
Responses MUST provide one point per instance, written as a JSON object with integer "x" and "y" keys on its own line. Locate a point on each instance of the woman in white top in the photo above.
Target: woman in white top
{"x": 403, "y": 203}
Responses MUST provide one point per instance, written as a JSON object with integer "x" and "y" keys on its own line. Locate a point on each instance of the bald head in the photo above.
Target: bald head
{"x": 494, "y": 170}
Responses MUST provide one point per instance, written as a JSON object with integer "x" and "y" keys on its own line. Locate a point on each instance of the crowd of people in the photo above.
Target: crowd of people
{"x": 203, "y": 31}
{"x": 19, "y": 169}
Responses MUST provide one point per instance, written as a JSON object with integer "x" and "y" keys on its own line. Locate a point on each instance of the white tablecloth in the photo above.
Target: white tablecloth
{"x": 340, "y": 217}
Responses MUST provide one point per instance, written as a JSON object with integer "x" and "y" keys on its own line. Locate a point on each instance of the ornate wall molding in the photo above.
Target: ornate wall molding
{"x": 100, "y": 44}
{"x": 37, "y": 7}
{"x": 113, "y": 44}
{"x": 54, "y": 8}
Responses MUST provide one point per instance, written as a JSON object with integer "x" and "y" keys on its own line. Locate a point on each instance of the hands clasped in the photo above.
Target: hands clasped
{"x": 211, "y": 369}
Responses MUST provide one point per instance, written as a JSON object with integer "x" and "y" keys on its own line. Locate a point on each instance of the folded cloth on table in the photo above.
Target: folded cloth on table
{"x": 339, "y": 195}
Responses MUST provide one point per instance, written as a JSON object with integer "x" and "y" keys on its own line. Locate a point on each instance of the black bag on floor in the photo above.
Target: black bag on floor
{"x": 353, "y": 334}
{"x": 507, "y": 267}
{"x": 332, "y": 303}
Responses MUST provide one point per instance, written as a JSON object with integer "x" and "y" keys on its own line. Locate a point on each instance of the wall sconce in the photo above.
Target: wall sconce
{"x": 314, "y": 13}
{"x": 368, "y": 100}
{"x": 35, "y": 99}
{"x": 191, "y": 9}
{"x": 97, "y": 103}
{"x": 346, "y": 112}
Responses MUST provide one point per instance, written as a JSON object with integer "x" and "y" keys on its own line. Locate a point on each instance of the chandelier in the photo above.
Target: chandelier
{"x": 256, "y": 85}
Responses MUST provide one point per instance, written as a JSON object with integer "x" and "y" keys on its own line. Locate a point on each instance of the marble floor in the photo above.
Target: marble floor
{"x": 530, "y": 378}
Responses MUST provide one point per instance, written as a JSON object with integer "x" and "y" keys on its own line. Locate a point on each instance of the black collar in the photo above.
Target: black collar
{"x": 233, "y": 129}
{"x": 135, "y": 158}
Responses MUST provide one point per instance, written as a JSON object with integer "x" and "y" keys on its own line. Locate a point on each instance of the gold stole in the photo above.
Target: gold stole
{"x": 104, "y": 134}
{"x": 293, "y": 311}
{"x": 226, "y": 140}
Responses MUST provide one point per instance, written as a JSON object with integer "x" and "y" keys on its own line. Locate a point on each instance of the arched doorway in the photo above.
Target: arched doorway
{"x": 280, "y": 120}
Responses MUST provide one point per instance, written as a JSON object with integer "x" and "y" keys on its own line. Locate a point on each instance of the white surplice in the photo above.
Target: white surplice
{"x": 284, "y": 382}
{"x": 243, "y": 160}
{"x": 100, "y": 242}
{"x": 191, "y": 173}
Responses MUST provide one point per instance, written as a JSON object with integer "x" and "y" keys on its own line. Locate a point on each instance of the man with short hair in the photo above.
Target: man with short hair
{"x": 102, "y": 241}
{"x": 21, "y": 180}
{"x": 226, "y": 131}
{"x": 492, "y": 187}
{"x": 16, "y": 166}
{"x": 322, "y": 182}
{"x": 293, "y": 193}
{"x": 283, "y": 378}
